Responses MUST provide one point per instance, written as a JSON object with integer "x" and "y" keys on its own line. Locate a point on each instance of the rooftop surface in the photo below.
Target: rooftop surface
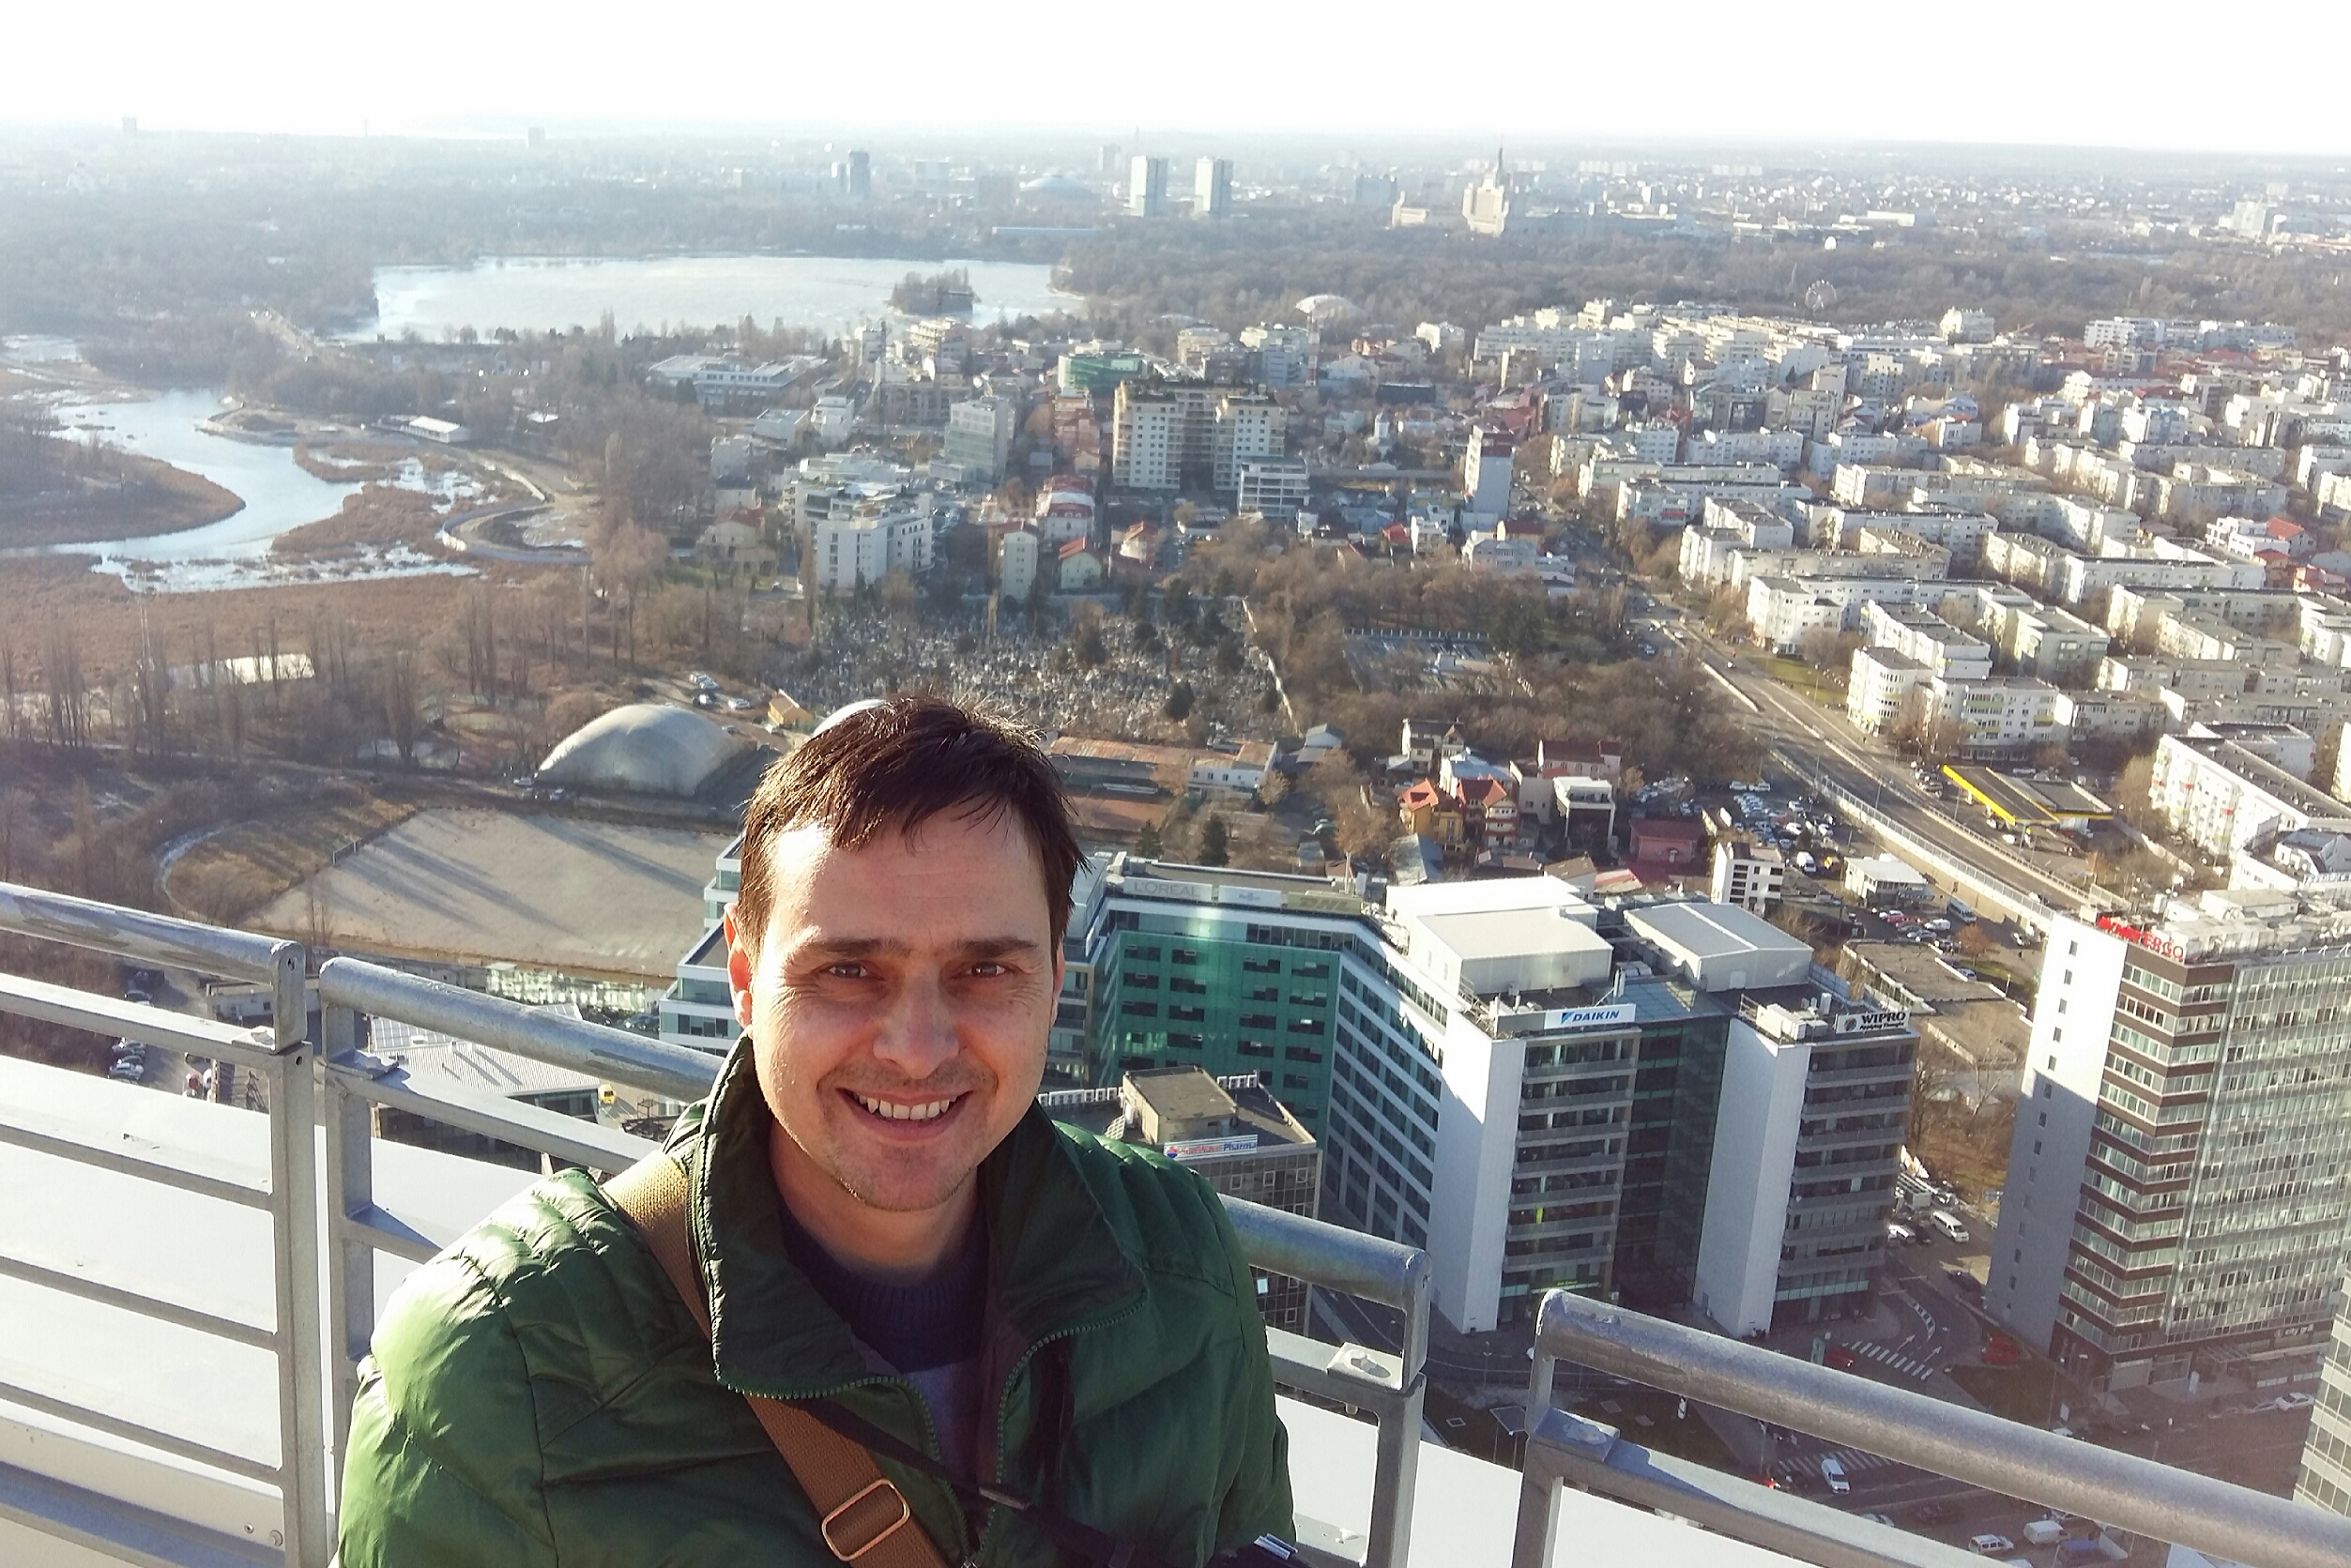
{"x": 1707, "y": 931}
{"x": 549, "y": 892}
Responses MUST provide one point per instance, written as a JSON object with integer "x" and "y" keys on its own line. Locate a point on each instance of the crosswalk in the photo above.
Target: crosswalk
{"x": 1851, "y": 1460}
{"x": 1910, "y": 1366}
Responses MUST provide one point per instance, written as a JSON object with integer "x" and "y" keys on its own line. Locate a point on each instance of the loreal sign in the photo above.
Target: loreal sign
{"x": 1606, "y": 1016}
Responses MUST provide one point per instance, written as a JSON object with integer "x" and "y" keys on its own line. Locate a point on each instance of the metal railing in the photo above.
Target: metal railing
{"x": 295, "y": 1334}
{"x": 338, "y": 1082}
{"x": 2118, "y": 1490}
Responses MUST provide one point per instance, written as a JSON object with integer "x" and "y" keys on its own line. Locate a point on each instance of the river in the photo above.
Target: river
{"x": 279, "y": 495}
{"x": 554, "y": 293}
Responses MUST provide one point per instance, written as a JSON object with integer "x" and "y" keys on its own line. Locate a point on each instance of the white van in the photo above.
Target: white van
{"x": 1834, "y": 1473}
{"x": 1947, "y": 1223}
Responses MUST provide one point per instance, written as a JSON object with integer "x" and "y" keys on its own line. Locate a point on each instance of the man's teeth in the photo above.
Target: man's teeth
{"x": 905, "y": 1112}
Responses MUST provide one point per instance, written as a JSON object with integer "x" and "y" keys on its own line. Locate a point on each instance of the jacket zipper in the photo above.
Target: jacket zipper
{"x": 996, "y": 1512}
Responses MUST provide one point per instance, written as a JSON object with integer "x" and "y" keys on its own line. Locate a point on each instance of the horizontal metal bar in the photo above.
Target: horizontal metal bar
{"x": 1593, "y": 1456}
{"x": 152, "y": 1026}
{"x": 1330, "y": 1372}
{"x": 515, "y": 1122}
{"x": 63, "y": 1145}
{"x": 203, "y": 1453}
{"x": 132, "y": 1301}
{"x": 612, "y": 1055}
{"x": 1975, "y": 1446}
{"x": 120, "y": 1530}
{"x": 156, "y": 941}
{"x": 1321, "y": 1254}
{"x": 389, "y": 1233}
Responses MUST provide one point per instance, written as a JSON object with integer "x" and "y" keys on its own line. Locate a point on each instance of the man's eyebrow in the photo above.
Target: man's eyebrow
{"x": 891, "y": 947}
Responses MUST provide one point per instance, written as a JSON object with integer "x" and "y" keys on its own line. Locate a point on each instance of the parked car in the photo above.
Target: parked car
{"x": 1990, "y": 1546}
{"x": 1834, "y": 1473}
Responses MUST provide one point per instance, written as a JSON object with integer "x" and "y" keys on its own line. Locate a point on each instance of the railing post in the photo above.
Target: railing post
{"x": 294, "y": 1196}
{"x": 1396, "y": 1470}
{"x": 350, "y": 1191}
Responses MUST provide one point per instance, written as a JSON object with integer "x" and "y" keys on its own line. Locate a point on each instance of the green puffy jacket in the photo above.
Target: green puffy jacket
{"x": 538, "y": 1393}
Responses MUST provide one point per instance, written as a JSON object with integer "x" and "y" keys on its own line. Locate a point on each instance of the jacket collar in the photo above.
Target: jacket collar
{"x": 1054, "y": 1259}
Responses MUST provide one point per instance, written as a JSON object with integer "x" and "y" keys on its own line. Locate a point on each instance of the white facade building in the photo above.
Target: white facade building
{"x": 1274, "y": 486}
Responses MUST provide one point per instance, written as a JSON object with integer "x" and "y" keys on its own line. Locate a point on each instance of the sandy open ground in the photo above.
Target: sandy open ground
{"x": 551, "y": 892}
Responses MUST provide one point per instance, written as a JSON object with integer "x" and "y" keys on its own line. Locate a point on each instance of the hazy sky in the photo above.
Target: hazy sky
{"x": 2095, "y": 72}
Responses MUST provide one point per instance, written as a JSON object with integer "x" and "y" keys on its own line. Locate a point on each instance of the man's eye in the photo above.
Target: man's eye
{"x": 846, "y": 971}
{"x": 990, "y": 969}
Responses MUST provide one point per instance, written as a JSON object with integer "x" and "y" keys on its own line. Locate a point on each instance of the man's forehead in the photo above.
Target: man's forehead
{"x": 815, "y": 877}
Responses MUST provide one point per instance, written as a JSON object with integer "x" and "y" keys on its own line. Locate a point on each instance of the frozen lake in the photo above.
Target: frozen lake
{"x": 554, "y": 293}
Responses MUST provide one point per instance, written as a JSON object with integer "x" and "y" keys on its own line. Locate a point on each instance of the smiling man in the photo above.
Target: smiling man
{"x": 1040, "y": 1347}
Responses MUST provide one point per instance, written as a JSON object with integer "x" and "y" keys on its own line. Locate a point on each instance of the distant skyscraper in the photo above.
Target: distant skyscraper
{"x": 1211, "y": 188}
{"x": 1486, "y": 205}
{"x": 1147, "y": 188}
{"x": 1110, "y": 158}
{"x": 861, "y": 176}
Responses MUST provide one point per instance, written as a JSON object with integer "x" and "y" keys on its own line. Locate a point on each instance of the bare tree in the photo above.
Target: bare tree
{"x": 400, "y": 701}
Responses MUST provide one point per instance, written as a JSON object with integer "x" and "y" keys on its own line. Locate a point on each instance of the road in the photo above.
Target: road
{"x": 1828, "y": 754}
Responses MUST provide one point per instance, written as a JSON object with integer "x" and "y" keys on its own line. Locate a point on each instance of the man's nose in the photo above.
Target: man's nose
{"x": 918, "y": 1030}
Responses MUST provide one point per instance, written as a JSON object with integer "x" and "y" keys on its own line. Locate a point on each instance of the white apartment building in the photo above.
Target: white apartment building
{"x": 1147, "y": 187}
{"x": 2177, "y": 1202}
{"x": 1878, "y": 685}
{"x": 979, "y": 438}
{"x": 1211, "y": 188}
{"x": 1940, "y": 648}
{"x": 1753, "y": 877}
{"x": 2222, "y": 796}
{"x": 1485, "y": 470}
{"x": 862, "y": 545}
{"x": 1285, "y": 354}
{"x": 1016, "y": 554}
{"x": 1248, "y": 425}
{"x": 1274, "y": 486}
{"x": 2000, "y": 716}
{"x": 1781, "y": 610}
{"x": 1146, "y": 439}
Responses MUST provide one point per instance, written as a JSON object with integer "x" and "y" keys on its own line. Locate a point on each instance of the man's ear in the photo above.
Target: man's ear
{"x": 739, "y": 964}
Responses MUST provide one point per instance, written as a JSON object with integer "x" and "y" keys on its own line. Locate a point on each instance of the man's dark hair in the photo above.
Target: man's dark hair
{"x": 892, "y": 766}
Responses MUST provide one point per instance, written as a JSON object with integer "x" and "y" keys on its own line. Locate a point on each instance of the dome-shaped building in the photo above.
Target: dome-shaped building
{"x": 643, "y": 749}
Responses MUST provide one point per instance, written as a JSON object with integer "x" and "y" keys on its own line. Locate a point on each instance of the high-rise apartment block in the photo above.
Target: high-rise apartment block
{"x": 2178, "y": 1199}
{"x": 1147, "y": 187}
{"x": 1248, "y": 425}
{"x": 1211, "y": 188}
{"x": 861, "y": 176}
{"x": 1147, "y": 438}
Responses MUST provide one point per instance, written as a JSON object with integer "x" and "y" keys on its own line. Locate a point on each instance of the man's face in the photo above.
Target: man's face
{"x": 899, "y": 1002}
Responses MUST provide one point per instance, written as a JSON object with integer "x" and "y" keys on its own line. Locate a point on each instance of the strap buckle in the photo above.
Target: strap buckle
{"x": 879, "y": 1484}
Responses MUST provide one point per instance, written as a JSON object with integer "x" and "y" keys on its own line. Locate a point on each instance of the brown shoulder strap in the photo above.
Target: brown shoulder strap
{"x": 863, "y": 1514}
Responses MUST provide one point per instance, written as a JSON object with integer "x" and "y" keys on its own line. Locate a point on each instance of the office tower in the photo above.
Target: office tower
{"x": 1147, "y": 188}
{"x": 1211, "y": 188}
{"x": 2181, "y": 1177}
{"x": 861, "y": 176}
{"x": 1231, "y": 1131}
{"x": 979, "y": 438}
{"x": 1110, "y": 158}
